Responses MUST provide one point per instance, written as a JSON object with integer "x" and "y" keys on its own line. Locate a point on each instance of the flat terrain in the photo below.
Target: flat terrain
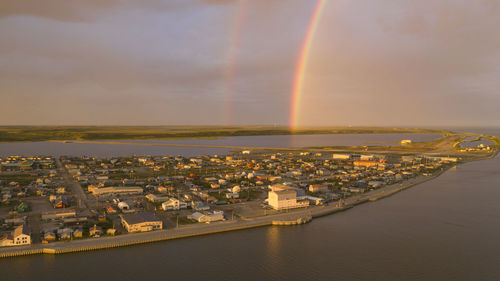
{"x": 447, "y": 144}
{"x": 44, "y": 133}
{"x": 229, "y": 225}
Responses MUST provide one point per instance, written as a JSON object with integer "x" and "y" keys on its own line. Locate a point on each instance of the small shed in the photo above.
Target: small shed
{"x": 78, "y": 233}
{"x": 95, "y": 231}
{"x": 49, "y": 236}
{"x": 111, "y": 231}
{"x": 22, "y": 207}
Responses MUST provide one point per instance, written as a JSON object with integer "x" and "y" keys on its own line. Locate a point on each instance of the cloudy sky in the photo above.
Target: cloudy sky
{"x": 154, "y": 62}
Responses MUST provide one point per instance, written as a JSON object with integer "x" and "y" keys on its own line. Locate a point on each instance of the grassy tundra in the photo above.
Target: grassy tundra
{"x": 45, "y": 133}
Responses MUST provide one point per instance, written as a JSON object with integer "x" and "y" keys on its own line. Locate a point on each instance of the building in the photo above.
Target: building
{"x": 21, "y": 236}
{"x": 284, "y": 197}
{"x": 16, "y": 166}
{"x": 157, "y": 199}
{"x": 6, "y": 240}
{"x": 318, "y": 188}
{"x": 78, "y": 233}
{"x": 59, "y": 214}
{"x": 95, "y": 231}
{"x": 123, "y": 205}
{"x": 173, "y": 204}
{"x": 15, "y": 220}
{"x": 110, "y": 210}
{"x": 22, "y": 207}
{"x": 72, "y": 221}
{"x": 298, "y": 191}
{"x": 315, "y": 200}
{"x": 449, "y": 159}
{"x": 367, "y": 157}
{"x": 49, "y": 236}
{"x": 365, "y": 163}
{"x": 60, "y": 203}
{"x": 199, "y": 206}
{"x": 441, "y": 159}
{"x": 117, "y": 190}
{"x": 207, "y": 217}
{"x": 141, "y": 222}
{"x": 341, "y": 156}
{"x": 65, "y": 233}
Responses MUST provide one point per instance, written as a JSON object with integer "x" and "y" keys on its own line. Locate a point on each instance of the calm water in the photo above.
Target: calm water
{"x": 306, "y": 140}
{"x": 100, "y": 150}
{"x": 492, "y": 131}
{"x": 104, "y": 150}
{"x": 469, "y": 144}
{"x": 445, "y": 229}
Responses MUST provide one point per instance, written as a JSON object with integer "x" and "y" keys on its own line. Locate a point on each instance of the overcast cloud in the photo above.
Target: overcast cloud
{"x": 152, "y": 62}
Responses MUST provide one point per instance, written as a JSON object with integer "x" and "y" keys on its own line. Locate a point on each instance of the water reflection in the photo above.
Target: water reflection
{"x": 273, "y": 242}
{"x": 110, "y": 150}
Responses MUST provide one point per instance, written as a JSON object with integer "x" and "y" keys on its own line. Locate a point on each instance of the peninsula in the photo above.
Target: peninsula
{"x": 45, "y": 133}
{"x": 66, "y": 204}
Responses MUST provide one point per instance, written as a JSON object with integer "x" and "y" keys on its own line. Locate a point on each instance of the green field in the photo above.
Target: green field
{"x": 45, "y": 133}
{"x": 22, "y": 179}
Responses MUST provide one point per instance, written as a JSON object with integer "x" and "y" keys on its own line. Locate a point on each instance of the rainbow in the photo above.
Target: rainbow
{"x": 298, "y": 81}
{"x": 230, "y": 70}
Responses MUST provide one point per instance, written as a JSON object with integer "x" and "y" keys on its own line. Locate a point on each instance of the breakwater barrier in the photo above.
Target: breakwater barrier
{"x": 300, "y": 220}
{"x": 329, "y": 211}
{"x": 21, "y": 252}
{"x": 148, "y": 237}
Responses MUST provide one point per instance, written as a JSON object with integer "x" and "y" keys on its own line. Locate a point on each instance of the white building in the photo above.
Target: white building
{"x": 20, "y": 236}
{"x": 284, "y": 197}
{"x": 173, "y": 204}
{"x": 341, "y": 156}
{"x": 141, "y": 222}
{"x": 123, "y": 206}
{"x": 367, "y": 157}
{"x": 207, "y": 217}
{"x": 156, "y": 199}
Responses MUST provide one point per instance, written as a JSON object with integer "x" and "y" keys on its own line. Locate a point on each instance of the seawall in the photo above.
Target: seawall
{"x": 148, "y": 237}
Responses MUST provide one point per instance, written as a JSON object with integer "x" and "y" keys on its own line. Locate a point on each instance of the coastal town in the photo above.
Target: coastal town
{"x": 47, "y": 199}
{"x": 223, "y": 140}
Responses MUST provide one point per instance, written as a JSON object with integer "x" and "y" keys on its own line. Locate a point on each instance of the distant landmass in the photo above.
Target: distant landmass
{"x": 45, "y": 133}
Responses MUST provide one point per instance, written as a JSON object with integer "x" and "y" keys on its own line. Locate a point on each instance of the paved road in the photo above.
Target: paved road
{"x": 35, "y": 227}
{"x": 75, "y": 187}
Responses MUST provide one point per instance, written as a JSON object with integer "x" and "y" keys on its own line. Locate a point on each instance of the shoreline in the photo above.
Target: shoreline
{"x": 96, "y": 133}
{"x": 290, "y": 217}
